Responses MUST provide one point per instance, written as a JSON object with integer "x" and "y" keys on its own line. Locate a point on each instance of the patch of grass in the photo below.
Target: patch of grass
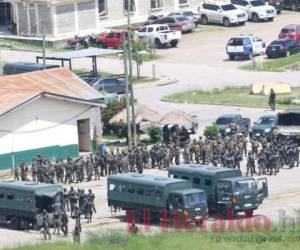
{"x": 237, "y": 96}
{"x": 116, "y": 240}
{"x": 278, "y": 64}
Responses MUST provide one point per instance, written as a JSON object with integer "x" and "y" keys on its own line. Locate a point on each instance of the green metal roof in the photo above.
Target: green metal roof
{"x": 200, "y": 169}
{"x": 141, "y": 179}
{"x": 29, "y": 186}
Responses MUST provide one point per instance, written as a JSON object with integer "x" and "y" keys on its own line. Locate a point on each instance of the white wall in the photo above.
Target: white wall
{"x": 48, "y": 114}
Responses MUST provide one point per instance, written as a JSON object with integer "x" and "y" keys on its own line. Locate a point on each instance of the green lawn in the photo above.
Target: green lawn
{"x": 237, "y": 96}
{"x": 278, "y": 64}
{"x": 270, "y": 240}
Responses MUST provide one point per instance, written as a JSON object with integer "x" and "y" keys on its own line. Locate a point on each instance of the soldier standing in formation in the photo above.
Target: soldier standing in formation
{"x": 46, "y": 231}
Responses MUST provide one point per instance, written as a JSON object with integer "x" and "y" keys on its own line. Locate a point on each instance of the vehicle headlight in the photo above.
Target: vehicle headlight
{"x": 267, "y": 130}
{"x": 227, "y": 130}
{"x": 233, "y": 200}
{"x": 185, "y": 212}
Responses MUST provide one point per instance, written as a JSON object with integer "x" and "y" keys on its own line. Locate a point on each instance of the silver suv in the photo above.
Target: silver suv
{"x": 226, "y": 14}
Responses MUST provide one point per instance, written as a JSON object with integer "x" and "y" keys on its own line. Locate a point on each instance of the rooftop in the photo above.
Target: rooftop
{"x": 15, "y": 90}
{"x": 27, "y": 186}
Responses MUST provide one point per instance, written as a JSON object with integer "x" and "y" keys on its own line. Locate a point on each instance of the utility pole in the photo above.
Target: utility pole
{"x": 130, "y": 72}
{"x": 44, "y": 43}
{"x": 125, "y": 58}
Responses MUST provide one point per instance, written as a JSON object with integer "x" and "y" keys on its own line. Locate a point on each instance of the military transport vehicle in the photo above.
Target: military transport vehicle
{"x": 22, "y": 203}
{"x": 138, "y": 192}
{"x": 288, "y": 125}
{"x": 263, "y": 127}
{"x": 226, "y": 189}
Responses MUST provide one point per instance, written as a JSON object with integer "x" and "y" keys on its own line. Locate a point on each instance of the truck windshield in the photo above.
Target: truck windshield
{"x": 194, "y": 198}
{"x": 257, "y": 3}
{"x": 266, "y": 120}
{"x": 223, "y": 121}
{"x": 246, "y": 186}
{"x": 228, "y": 7}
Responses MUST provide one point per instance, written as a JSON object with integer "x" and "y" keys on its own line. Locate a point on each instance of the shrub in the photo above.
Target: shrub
{"x": 155, "y": 134}
{"x": 285, "y": 100}
{"x": 211, "y": 131}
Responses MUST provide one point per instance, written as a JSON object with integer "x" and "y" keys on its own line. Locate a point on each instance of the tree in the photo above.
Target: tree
{"x": 141, "y": 48}
{"x": 155, "y": 134}
{"x": 211, "y": 131}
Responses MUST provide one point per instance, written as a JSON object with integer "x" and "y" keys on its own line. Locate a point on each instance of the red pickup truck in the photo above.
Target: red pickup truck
{"x": 113, "y": 39}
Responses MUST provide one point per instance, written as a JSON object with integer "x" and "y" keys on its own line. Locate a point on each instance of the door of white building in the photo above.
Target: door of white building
{"x": 83, "y": 128}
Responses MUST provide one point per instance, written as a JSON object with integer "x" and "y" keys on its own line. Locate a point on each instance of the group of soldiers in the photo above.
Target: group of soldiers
{"x": 78, "y": 203}
{"x": 229, "y": 152}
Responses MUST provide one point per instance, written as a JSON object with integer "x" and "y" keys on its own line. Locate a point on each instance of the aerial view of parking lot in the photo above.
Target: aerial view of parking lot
{"x": 149, "y": 124}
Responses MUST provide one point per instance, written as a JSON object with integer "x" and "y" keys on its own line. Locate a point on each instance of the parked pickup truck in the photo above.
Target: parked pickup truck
{"x": 161, "y": 35}
{"x": 288, "y": 126}
{"x": 245, "y": 46}
{"x": 224, "y": 124}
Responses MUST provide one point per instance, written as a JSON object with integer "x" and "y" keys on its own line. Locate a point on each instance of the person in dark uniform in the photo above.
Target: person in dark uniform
{"x": 272, "y": 99}
{"x": 46, "y": 231}
{"x": 64, "y": 223}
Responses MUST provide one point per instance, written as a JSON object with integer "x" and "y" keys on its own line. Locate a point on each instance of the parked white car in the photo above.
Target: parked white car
{"x": 226, "y": 14}
{"x": 160, "y": 34}
{"x": 257, "y": 10}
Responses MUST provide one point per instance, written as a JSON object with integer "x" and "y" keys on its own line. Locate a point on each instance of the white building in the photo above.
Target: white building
{"x": 63, "y": 19}
{"x": 50, "y": 112}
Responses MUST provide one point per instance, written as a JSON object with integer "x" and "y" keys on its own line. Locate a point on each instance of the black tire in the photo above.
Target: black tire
{"x": 271, "y": 19}
{"x": 204, "y": 20}
{"x": 294, "y": 6}
{"x": 102, "y": 45}
{"x": 158, "y": 43}
{"x": 249, "y": 57}
{"x": 242, "y": 23}
{"x": 231, "y": 57}
{"x": 255, "y": 18}
{"x": 278, "y": 12}
{"x": 174, "y": 44}
{"x": 15, "y": 223}
{"x": 226, "y": 22}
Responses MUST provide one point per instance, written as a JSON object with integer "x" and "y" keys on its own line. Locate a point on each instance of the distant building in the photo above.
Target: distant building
{"x": 51, "y": 112}
{"x": 63, "y": 19}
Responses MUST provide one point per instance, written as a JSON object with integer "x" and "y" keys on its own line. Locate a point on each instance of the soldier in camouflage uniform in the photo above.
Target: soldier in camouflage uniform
{"x": 34, "y": 170}
{"x": 250, "y": 164}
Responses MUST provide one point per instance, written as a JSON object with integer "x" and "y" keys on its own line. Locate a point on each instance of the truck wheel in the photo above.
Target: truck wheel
{"x": 174, "y": 44}
{"x": 15, "y": 223}
{"x": 255, "y": 17}
{"x": 226, "y": 22}
{"x": 271, "y": 19}
{"x": 232, "y": 57}
{"x": 102, "y": 45}
{"x": 204, "y": 20}
{"x": 158, "y": 43}
{"x": 242, "y": 23}
{"x": 278, "y": 12}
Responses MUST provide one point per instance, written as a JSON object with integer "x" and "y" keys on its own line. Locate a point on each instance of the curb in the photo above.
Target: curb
{"x": 160, "y": 83}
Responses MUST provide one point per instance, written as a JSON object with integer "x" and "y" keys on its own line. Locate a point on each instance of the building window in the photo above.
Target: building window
{"x": 155, "y": 4}
{"x": 183, "y": 2}
{"x": 131, "y": 3}
{"x": 102, "y": 8}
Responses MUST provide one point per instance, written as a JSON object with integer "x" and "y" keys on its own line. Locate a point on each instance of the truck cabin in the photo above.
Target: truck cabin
{"x": 288, "y": 126}
{"x": 137, "y": 192}
{"x": 289, "y": 118}
{"x": 221, "y": 184}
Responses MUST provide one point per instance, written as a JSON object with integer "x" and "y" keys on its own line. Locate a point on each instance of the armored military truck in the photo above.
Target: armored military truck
{"x": 138, "y": 192}
{"x": 22, "y": 203}
{"x": 226, "y": 189}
